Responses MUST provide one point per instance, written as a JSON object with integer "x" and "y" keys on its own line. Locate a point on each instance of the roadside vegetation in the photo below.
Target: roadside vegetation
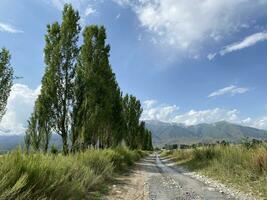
{"x": 81, "y": 101}
{"x": 243, "y": 166}
{"x": 83, "y": 175}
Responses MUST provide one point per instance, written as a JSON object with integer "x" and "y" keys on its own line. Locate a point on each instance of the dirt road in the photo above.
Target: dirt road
{"x": 153, "y": 179}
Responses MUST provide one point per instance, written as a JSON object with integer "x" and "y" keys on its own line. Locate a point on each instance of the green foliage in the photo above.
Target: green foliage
{"x": 45, "y": 176}
{"x": 98, "y": 109}
{"x": 61, "y": 53}
{"x": 80, "y": 98}
{"x": 250, "y": 144}
{"x": 33, "y": 135}
{"x": 54, "y": 149}
{"x": 205, "y": 153}
{"x": 6, "y": 79}
{"x": 137, "y": 137}
{"x": 38, "y": 132}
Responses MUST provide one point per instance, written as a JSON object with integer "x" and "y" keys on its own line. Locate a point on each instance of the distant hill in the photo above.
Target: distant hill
{"x": 9, "y": 142}
{"x": 169, "y": 133}
{"x": 172, "y": 133}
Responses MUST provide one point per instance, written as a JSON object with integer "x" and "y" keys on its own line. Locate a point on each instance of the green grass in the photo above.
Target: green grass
{"x": 236, "y": 165}
{"x": 79, "y": 176}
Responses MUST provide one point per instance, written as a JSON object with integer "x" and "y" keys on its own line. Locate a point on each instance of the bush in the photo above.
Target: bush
{"x": 205, "y": 153}
{"x": 259, "y": 160}
{"x": 54, "y": 149}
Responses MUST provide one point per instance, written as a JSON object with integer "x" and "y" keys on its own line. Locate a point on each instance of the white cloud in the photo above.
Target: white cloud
{"x": 85, "y": 7}
{"x": 89, "y": 11}
{"x": 118, "y": 16}
{"x": 19, "y": 107}
{"x": 9, "y": 28}
{"x": 232, "y": 90}
{"x": 170, "y": 113}
{"x": 149, "y": 103}
{"x": 260, "y": 123}
{"x": 123, "y": 2}
{"x": 211, "y": 56}
{"x": 152, "y": 111}
{"x": 247, "y": 42}
{"x": 189, "y": 25}
{"x": 206, "y": 116}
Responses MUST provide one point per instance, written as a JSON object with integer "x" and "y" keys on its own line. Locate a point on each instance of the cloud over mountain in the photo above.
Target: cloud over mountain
{"x": 19, "y": 107}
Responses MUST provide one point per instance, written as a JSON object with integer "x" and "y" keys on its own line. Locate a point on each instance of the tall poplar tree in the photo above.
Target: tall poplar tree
{"x": 39, "y": 125}
{"x": 33, "y": 134}
{"x": 61, "y": 52}
{"x": 98, "y": 107}
{"x": 6, "y": 79}
{"x": 132, "y": 113}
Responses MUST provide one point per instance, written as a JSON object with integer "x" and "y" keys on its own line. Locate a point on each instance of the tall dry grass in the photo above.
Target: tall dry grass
{"x": 78, "y": 176}
{"x": 235, "y": 164}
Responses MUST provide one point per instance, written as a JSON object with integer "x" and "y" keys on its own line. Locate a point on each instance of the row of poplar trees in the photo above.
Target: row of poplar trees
{"x": 80, "y": 98}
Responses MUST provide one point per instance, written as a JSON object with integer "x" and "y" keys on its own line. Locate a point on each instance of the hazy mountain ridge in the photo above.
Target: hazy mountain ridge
{"x": 171, "y": 133}
{"x": 9, "y": 142}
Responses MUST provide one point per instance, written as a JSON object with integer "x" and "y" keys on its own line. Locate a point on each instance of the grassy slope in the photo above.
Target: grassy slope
{"x": 238, "y": 166}
{"x": 80, "y": 176}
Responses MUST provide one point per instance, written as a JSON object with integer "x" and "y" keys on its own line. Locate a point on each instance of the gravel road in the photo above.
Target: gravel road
{"x": 168, "y": 183}
{"x": 155, "y": 178}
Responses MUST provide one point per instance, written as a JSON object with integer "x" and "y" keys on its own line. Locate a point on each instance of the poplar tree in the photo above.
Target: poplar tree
{"x": 45, "y": 118}
{"x": 80, "y": 96}
{"x": 33, "y": 135}
{"x": 132, "y": 113}
{"x": 98, "y": 106}
{"x": 39, "y": 125}
{"x": 6, "y": 79}
{"x": 61, "y": 52}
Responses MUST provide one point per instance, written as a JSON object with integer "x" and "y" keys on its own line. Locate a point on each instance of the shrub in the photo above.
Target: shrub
{"x": 205, "y": 153}
{"x": 53, "y": 149}
{"x": 259, "y": 160}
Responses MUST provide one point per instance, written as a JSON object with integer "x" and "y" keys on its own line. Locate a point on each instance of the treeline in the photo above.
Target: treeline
{"x": 80, "y": 98}
{"x": 246, "y": 142}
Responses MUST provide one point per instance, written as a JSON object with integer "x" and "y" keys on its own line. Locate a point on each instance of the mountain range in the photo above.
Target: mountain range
{"x": 173, "y": 133}
{"x": 170, "y": 133}
{"x": 9, "y": 142}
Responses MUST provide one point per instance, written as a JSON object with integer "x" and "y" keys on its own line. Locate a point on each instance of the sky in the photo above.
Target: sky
{"x": 188, "y": 61}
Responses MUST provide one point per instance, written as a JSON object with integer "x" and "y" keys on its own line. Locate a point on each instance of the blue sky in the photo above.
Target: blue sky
{"x": 187, "y": 61}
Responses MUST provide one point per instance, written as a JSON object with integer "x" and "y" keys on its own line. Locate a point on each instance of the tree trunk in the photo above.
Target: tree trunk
{"x": 46, "y": 143}
{"x": 65, "y": 144}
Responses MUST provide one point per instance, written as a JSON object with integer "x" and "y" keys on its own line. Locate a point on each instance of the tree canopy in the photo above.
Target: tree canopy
{"x": 80, "y": 98}
{"x": 6, "y": 79}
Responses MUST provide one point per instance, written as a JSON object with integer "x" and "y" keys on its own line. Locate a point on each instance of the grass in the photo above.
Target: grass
{"x": 79, "y": 176}
{"x": 236, "y": 165}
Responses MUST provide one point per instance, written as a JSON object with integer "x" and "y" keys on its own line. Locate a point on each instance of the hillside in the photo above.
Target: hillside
{"x": 9, "y": 142}
{"x": 171, "y": 133}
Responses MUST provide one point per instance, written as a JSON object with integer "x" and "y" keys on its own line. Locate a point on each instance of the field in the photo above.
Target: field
{"x": 236, "y": 165}
{"x": 48, "y": 176}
